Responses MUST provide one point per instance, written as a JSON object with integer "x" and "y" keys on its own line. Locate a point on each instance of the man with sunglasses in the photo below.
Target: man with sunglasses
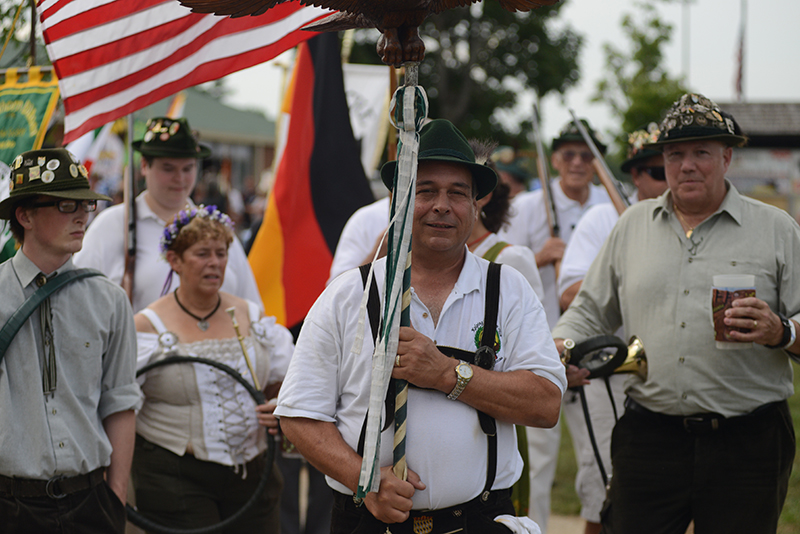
{"x": 573, "y": 193}
{"x": 707, "y": 435}
{"x": 67, "y": 385}
{"x": 646, "y": 167}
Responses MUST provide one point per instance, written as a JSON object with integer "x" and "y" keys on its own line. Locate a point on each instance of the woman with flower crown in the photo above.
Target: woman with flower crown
{"x": 198, "y": 446}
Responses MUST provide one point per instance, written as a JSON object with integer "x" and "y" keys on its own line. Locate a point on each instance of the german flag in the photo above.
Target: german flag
{"x": 319, "y": 183}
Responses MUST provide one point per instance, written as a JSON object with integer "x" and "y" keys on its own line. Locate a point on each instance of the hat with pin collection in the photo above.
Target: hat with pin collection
{"x": 697, "y": 118}
{"x": 440, "y": 140}
{"x": 570, "y": 134}
{"x": 53, "y": 172}
{"x": 170, "y": 138}
{"x": 638, "y": 143}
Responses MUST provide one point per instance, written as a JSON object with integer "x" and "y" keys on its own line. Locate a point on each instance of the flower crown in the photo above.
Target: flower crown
{"x": 184, "y": 217}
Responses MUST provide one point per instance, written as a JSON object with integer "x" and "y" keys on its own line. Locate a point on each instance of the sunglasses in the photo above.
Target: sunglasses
{"x": 69, "y": 206}
{"x": 569, "y": 155}
{"x": 656, "y": 173}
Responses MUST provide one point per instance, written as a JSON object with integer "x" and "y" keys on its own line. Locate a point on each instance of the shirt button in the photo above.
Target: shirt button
{"x": 54, "y": 411}
{"x": 733, "y": 263}
{"x": 690, "y": 260}
{"x": 684, "y": 396}
{"x": 424, "y": 315}
{"x": 683, "y": 325}
{"x": 681, "y": 359}
{"x": 685, "y": 291}
{"x": 60, "y": 444}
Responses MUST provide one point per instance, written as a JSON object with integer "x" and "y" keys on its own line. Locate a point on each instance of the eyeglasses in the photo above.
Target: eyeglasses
{"x": 69, "y": 206}
{"x": 569, "y": 155}
{"x": 656, "y": 173}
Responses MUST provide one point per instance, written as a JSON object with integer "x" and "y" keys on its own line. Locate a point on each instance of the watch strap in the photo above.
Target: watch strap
{"x": 786, "y": 340}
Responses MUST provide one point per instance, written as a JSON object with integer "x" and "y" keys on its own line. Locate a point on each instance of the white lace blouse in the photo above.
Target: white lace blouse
{"x": 201, "y": 405}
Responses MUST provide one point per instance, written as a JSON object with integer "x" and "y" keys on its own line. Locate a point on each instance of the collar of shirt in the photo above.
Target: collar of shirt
{"x": 597, "y": 195}
{"x": 143, "y": 211}
{"x": 470, "y": 277}
{"x": 731, "y": 204}
{"x": 27, "y": 271}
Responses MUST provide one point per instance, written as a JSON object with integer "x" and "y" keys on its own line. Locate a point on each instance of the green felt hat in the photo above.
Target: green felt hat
{"x": 440, "y": 140}
{"x": 637, "y": 149}
{"x": 697, "y": 118}
{"x": 505, "y": 159}
{"x": 170, "y": 138}
{"x": 53, "y": 172}
{"x": 570, "y": 133}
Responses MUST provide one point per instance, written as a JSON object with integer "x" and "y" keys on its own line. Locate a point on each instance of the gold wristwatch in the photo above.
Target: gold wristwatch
{"x": 463, "y": 376}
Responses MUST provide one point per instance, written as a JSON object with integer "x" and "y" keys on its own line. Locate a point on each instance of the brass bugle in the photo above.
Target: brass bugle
{"x": 636, "y": 361}
{"x": 232, "y": 313}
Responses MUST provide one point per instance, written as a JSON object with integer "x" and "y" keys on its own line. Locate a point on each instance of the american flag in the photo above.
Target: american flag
{"x": 113, "y": 57}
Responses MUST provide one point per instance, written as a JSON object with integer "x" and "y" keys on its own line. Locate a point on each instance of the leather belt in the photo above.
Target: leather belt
{"x": 57, "y": 487}
{"x": 445, "y": 520}
{"x": 701, "y": 423}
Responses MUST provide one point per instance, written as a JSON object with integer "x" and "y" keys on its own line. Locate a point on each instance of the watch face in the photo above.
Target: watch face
{"x": 464, "y": 370}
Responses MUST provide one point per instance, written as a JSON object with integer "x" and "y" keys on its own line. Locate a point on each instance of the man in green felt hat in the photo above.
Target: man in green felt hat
{"x": 459, "y": 472}
{"x": 707, "y": 436}
{"x": 67, "y": 384}
{"x": 170, "y": 155}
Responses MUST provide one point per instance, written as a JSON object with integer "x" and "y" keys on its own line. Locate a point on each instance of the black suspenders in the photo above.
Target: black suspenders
{"x": 484, "y": 357}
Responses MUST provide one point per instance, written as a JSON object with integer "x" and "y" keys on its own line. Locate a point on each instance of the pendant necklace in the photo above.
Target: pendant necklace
{"x": 691, "y": 228}
{"x": 202, "y": 322}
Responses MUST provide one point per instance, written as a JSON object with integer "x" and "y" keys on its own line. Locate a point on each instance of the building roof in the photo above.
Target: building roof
{"x": 766, "y": 119}
{"x": 217, "y": 122}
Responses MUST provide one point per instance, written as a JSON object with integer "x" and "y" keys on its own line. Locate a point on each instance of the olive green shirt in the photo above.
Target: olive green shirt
{"x": 657, "y": 282}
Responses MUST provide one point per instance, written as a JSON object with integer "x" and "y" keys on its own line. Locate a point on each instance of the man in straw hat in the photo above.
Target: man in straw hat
{"x": 707, "y": 436}
{"x": 67, "y": 386}
{"x": 456, "y": 479}
{"x": 170, "y": 156}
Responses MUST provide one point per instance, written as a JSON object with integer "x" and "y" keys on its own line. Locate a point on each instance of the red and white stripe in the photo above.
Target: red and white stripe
{"x": 113, "y": 57}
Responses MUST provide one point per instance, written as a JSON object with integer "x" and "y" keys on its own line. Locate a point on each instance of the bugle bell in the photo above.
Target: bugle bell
{"x": 606, "y": 355}
{"x": 636, "y": 361}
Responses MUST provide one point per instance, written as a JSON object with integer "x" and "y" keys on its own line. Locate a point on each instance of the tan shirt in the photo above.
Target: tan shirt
{"x": 657, "y": 282}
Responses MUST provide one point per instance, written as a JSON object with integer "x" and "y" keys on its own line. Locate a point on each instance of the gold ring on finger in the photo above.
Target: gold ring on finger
{"x": 397, "y": 361}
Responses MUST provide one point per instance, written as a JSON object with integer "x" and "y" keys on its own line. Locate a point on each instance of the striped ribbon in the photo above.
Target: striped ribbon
{"x": 409, "y": 109}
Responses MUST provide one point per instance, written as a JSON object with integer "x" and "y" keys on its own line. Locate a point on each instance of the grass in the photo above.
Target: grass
{"x": 565, "y": 501}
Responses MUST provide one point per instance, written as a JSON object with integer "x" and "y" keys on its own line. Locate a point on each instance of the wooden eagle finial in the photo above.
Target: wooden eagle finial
{"x": 397, "y": 20}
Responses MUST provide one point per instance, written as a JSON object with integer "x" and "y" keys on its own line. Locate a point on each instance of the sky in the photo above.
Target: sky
{"x": 708, "y": 29}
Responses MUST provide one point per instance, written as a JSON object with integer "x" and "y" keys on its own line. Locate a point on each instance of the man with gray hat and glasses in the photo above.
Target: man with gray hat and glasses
{"x": 68, "y": 351}
{"x": 707, "y": 436}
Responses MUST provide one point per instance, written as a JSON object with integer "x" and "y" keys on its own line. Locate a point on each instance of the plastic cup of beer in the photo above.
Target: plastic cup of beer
{"x": 727, "y": 288}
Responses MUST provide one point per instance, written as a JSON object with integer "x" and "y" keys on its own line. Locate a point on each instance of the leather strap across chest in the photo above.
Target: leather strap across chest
{"x": 484, "y": 357}
{"x": 30, "y": 305}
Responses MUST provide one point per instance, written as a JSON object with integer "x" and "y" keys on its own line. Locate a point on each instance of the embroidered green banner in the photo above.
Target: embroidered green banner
{"x": 26, "y": 105}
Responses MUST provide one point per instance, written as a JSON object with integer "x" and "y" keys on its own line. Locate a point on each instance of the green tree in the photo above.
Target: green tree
{"x": 479, "y": 59}
{"x": 18, "y": 51}
{"x": 638, "y": 87}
